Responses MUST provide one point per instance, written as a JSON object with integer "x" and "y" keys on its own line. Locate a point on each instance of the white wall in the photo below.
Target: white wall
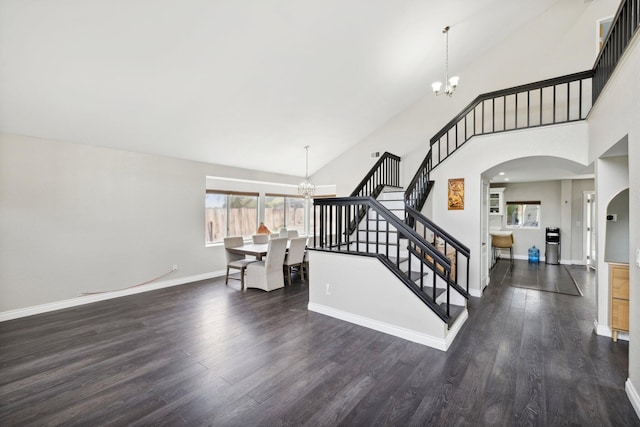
{"x": 77, "y": 218}
{"x": 362, "y": 290}
{"x": 567, "y": 141}
{"x": 612, "y": 177}
{"x": 617, "y": 232}
{"x": 614, "y": 118}
{"x": 545, "y": 48}
{"x": 548, "y": 193}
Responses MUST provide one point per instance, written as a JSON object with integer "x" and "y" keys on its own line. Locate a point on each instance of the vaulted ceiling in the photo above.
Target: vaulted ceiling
{"x": 245, "y": 83}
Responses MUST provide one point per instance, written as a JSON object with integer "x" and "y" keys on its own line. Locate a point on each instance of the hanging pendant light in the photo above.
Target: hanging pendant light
{"x": 306, "y": 188}
{"x": 451, "y": 82}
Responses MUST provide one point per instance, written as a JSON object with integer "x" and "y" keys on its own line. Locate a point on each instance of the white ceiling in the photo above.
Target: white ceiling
{"x": 245, "y": 83}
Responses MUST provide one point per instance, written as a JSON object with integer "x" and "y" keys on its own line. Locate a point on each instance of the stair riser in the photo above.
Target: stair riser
{"x": 393, "y": 204}
{"x": 397, "y": 212}
{"x": 391, "y": 195}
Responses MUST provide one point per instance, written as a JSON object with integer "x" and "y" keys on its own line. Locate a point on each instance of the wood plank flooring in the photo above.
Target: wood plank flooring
{"x": 210, "y": 354}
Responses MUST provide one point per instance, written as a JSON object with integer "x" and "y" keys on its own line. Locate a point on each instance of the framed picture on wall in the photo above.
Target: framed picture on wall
{"x": 455, "y": 196}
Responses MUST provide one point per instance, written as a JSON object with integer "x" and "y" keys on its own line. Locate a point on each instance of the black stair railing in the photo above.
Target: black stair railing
{"x": 547, "y": 102}
{"x": 386, "y": 171}
{"x": 417, "y": 263}
{"x": 624, "y": 26}
{"x": 558, "y": 100}
{"x": 418, "y": 189}
{"x": 457, "y": 253}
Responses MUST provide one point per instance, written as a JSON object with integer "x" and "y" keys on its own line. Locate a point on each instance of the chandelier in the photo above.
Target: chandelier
{"x": 451, "y": 83}
{"x": 306, "y": 188}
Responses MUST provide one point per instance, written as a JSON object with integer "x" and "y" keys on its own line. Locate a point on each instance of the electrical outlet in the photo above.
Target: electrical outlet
{"x": 328, "y": 289}
{"x": 175, "y": 267}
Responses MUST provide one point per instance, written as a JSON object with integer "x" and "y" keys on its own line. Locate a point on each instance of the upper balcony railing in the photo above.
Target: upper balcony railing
{"x": 558, "y": 100}
{"x": 625, "y": 24}
{"x": 547, "y": 102}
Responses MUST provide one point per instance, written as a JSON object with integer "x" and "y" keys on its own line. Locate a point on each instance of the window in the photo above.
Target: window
{"x": 295, "y": 213}
{"x": 283, "y": 211}
{"x": 523, "y": 214}
{"x": 230, "y": 214}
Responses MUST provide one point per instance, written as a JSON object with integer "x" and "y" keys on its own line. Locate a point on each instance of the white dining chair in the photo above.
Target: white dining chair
{"x": 235, "y": 261}
{"x": 260, "y": 238}
{"x": 295, "y": 257}
{"x": 292, "y": 234}
{"x": 267, "y": 274}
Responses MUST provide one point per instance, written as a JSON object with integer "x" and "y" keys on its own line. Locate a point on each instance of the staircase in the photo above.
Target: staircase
{"x": 393, "y": 199}
{"x": 376, "y": 227}
{"x": 381, "y": 220}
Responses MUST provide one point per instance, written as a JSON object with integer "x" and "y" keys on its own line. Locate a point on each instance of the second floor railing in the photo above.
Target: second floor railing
{"x": 547, "y": 102}
{"x": 558, "y": 100}
{"x": 624, "y": 26}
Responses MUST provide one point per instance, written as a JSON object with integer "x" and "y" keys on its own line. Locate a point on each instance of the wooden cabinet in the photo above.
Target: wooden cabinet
{"x": 496, "y": 201}
{"x": 619, "y": 299}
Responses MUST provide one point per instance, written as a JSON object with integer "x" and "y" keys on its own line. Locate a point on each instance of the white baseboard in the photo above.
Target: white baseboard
{"x": 88, "y": 299}
{"x": 453, "y": 331}
{"x": 605, "y": 331}
{"x": 475, "y": 293}
{"x": 543, "y": 259}
{"x": 633, "y": 396}
{"x": 396, "y": 331}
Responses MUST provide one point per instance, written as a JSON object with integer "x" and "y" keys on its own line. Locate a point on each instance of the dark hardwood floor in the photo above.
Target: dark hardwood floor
{"x": 208, "y": 354}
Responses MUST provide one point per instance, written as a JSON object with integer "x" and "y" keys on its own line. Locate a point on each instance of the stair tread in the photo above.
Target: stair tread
{"x": 428, "y": 291}
{"x": 454, "y": 311}
{"x": 394, "y": 259}
{"x": 415, "y": 275}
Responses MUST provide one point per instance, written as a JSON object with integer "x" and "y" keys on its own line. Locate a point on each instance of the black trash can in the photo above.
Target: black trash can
{"x": 552, "y": 245}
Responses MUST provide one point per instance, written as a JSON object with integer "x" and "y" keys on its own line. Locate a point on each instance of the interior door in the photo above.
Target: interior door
{"x": 590, "y": 248}
{"x": 484, "y": 235}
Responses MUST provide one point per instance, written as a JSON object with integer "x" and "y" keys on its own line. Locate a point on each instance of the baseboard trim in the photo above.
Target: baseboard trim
{"x": 475, "y": 293}
{"x": 605, "y": 331}
{"x": 633, "y": 396}
{"x": 387, "y": 328}
{"x": 543, "y": 259}
{"x": 88, "y": 299}
{"x": 601, "y": 330}
{"x": 457, "y": 326}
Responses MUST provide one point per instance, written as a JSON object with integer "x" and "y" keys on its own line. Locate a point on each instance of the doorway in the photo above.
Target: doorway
{"x": 484, "y": 234}
{"x": 590, "y": 233}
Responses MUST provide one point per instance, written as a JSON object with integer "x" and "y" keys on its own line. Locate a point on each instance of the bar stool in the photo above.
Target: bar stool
{"x": 499, "y": 242}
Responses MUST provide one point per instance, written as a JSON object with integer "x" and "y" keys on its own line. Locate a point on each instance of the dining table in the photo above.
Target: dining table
{"x": 257, "y": 250}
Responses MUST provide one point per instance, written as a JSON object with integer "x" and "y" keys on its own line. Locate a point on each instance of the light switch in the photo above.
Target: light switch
{"x": 638, "y": 257}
